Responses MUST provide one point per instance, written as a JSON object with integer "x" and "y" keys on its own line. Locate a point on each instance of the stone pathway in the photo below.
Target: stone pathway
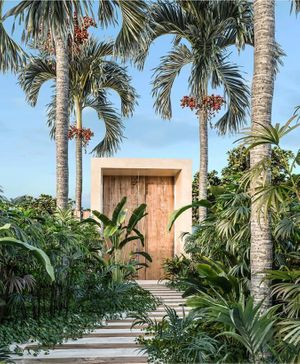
{"x": 113, "y": 343}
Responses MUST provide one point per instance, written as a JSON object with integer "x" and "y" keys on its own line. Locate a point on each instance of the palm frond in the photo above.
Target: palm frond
{"x": 267, "y": 134}
{"x": 290, "y": 331}
{"x": 113, "y": 125}
{"x": 165, "y": 75}
{"x": 237, "y": 17}
{"x": 56, "y": 17}
{"x": 116, "y": 78}
{"x": 236, "y": 94}
{"x": 34, "y": 74}
{"x": 295, "y": 6}
{"x": 11, "y": 54}
{"x": 133, "y": 15}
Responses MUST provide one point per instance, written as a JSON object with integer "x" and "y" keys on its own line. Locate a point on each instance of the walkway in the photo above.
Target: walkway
{"x": 112, "y": 343}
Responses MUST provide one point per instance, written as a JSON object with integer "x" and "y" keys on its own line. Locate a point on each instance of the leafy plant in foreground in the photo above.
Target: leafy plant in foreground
{"x": 118, "y": 233}
{"x": 176, "y": 340}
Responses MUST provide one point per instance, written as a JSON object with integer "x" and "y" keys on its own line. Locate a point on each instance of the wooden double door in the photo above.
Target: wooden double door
{"x": 158, "y": 194}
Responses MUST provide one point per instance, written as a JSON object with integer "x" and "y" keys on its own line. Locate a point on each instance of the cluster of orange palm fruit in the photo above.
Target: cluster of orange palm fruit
{"x": 211, "y": 104}
{"x": 80, "y": 35}
{"x": 81, "y": 32}
{"x": 85, "y": 134}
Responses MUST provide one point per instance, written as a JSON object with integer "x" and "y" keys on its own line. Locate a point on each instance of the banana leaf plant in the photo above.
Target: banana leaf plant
{"x": 38, "y": 253}
{"x": 118, "y": 233}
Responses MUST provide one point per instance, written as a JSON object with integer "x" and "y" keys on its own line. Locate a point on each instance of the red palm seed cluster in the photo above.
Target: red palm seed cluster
{"x": 189, "y": 101}
{"x": 212, "y": 104}
{"x": 85, "y": 134}
{"x": 81, "y": 32}
{"x": 80, "y": 35}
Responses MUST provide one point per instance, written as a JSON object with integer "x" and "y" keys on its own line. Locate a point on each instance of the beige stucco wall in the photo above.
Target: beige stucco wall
{"x": 181, "y": 169}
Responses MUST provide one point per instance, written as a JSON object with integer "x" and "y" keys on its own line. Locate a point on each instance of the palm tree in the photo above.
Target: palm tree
{"x": 53, "y": 20}
{"x": 91, "y": 75}
{"x": 209, "y": 27}
{"x": 56, "y": 18}
{"x": 261, "y": 254}
{"x": 11, "y": 54}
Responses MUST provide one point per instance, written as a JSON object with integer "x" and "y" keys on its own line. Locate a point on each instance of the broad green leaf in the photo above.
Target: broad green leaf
{"x": 118, "y": 214}
{"x": 205, "y": 270}
{"x": 175, "y": 214}
{"x": 127, "y": 240}
{"x": 5, "y": 227}
{"x": 136, "y": 216}
{"x": 110, "y": 230}
{"x": 103, "y": 218}
{"x": 141, "y": 236}
{"x": 145, "y": 255}
{"x": 90, "y": 220}
{"x": 40, "y": 255}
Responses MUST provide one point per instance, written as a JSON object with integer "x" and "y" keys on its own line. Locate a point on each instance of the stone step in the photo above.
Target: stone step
{"x": 113, "y": 330}
{"x": 81, "y": 355}
{"x": 108, "y": 333}
{"x": 115, "y": 342}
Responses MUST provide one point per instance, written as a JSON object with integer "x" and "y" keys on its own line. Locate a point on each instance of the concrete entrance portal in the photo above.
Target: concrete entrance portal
{"x": 163, "y": 184}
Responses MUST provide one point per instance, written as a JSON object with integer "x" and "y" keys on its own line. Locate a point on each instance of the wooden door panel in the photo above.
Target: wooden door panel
{"x": 159, "y": 242}
{"x": 158, "y": 194}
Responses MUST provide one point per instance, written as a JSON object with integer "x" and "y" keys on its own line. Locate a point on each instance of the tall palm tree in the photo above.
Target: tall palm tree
{"x": 44, "y": 17}
{"x": 203, "y": 31}
{"x": 91, "y": 75}
{"x": 261, "y": 255}
{"x": 11, "y": 54}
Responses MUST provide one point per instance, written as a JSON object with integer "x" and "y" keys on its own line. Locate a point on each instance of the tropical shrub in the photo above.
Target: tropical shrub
{"x": 33, "y": 306}
{"x": 216, "y": 273}
{"x": 118, "y": 232}
{"x": 177, "y": 340}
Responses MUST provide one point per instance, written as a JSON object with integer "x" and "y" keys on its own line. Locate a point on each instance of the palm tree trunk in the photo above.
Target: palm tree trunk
{"x": 62, "y": 122}
{"x": 261, "y": 255}
{"x": 78, "y": 192}
{"x": 203, "y": 137}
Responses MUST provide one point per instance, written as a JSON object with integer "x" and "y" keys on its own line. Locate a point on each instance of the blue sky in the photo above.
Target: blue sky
{"x": 27, "y": 155}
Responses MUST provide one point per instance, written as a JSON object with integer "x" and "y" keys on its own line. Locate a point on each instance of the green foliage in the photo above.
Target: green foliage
{"x": 93, "y": 74}
{"x": 38, "y": 253}
{"x": 49, "y": 331}
{"x": 174, "y": 216}
{"x": 85, "y": 290}
{"x": 216, "y": 274}
{"x": 177, "y": 340}
{"x": 202, "y": 35}
{"x": 118, "y": 232}
{"x": 5, "y": 355}
{"x": 238, "y": 163}
{"x": 241, "y": 320}
{"x": 175, "y": 269}
{"x": 271, "y": 196}
{"x": 12, "y": 55}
